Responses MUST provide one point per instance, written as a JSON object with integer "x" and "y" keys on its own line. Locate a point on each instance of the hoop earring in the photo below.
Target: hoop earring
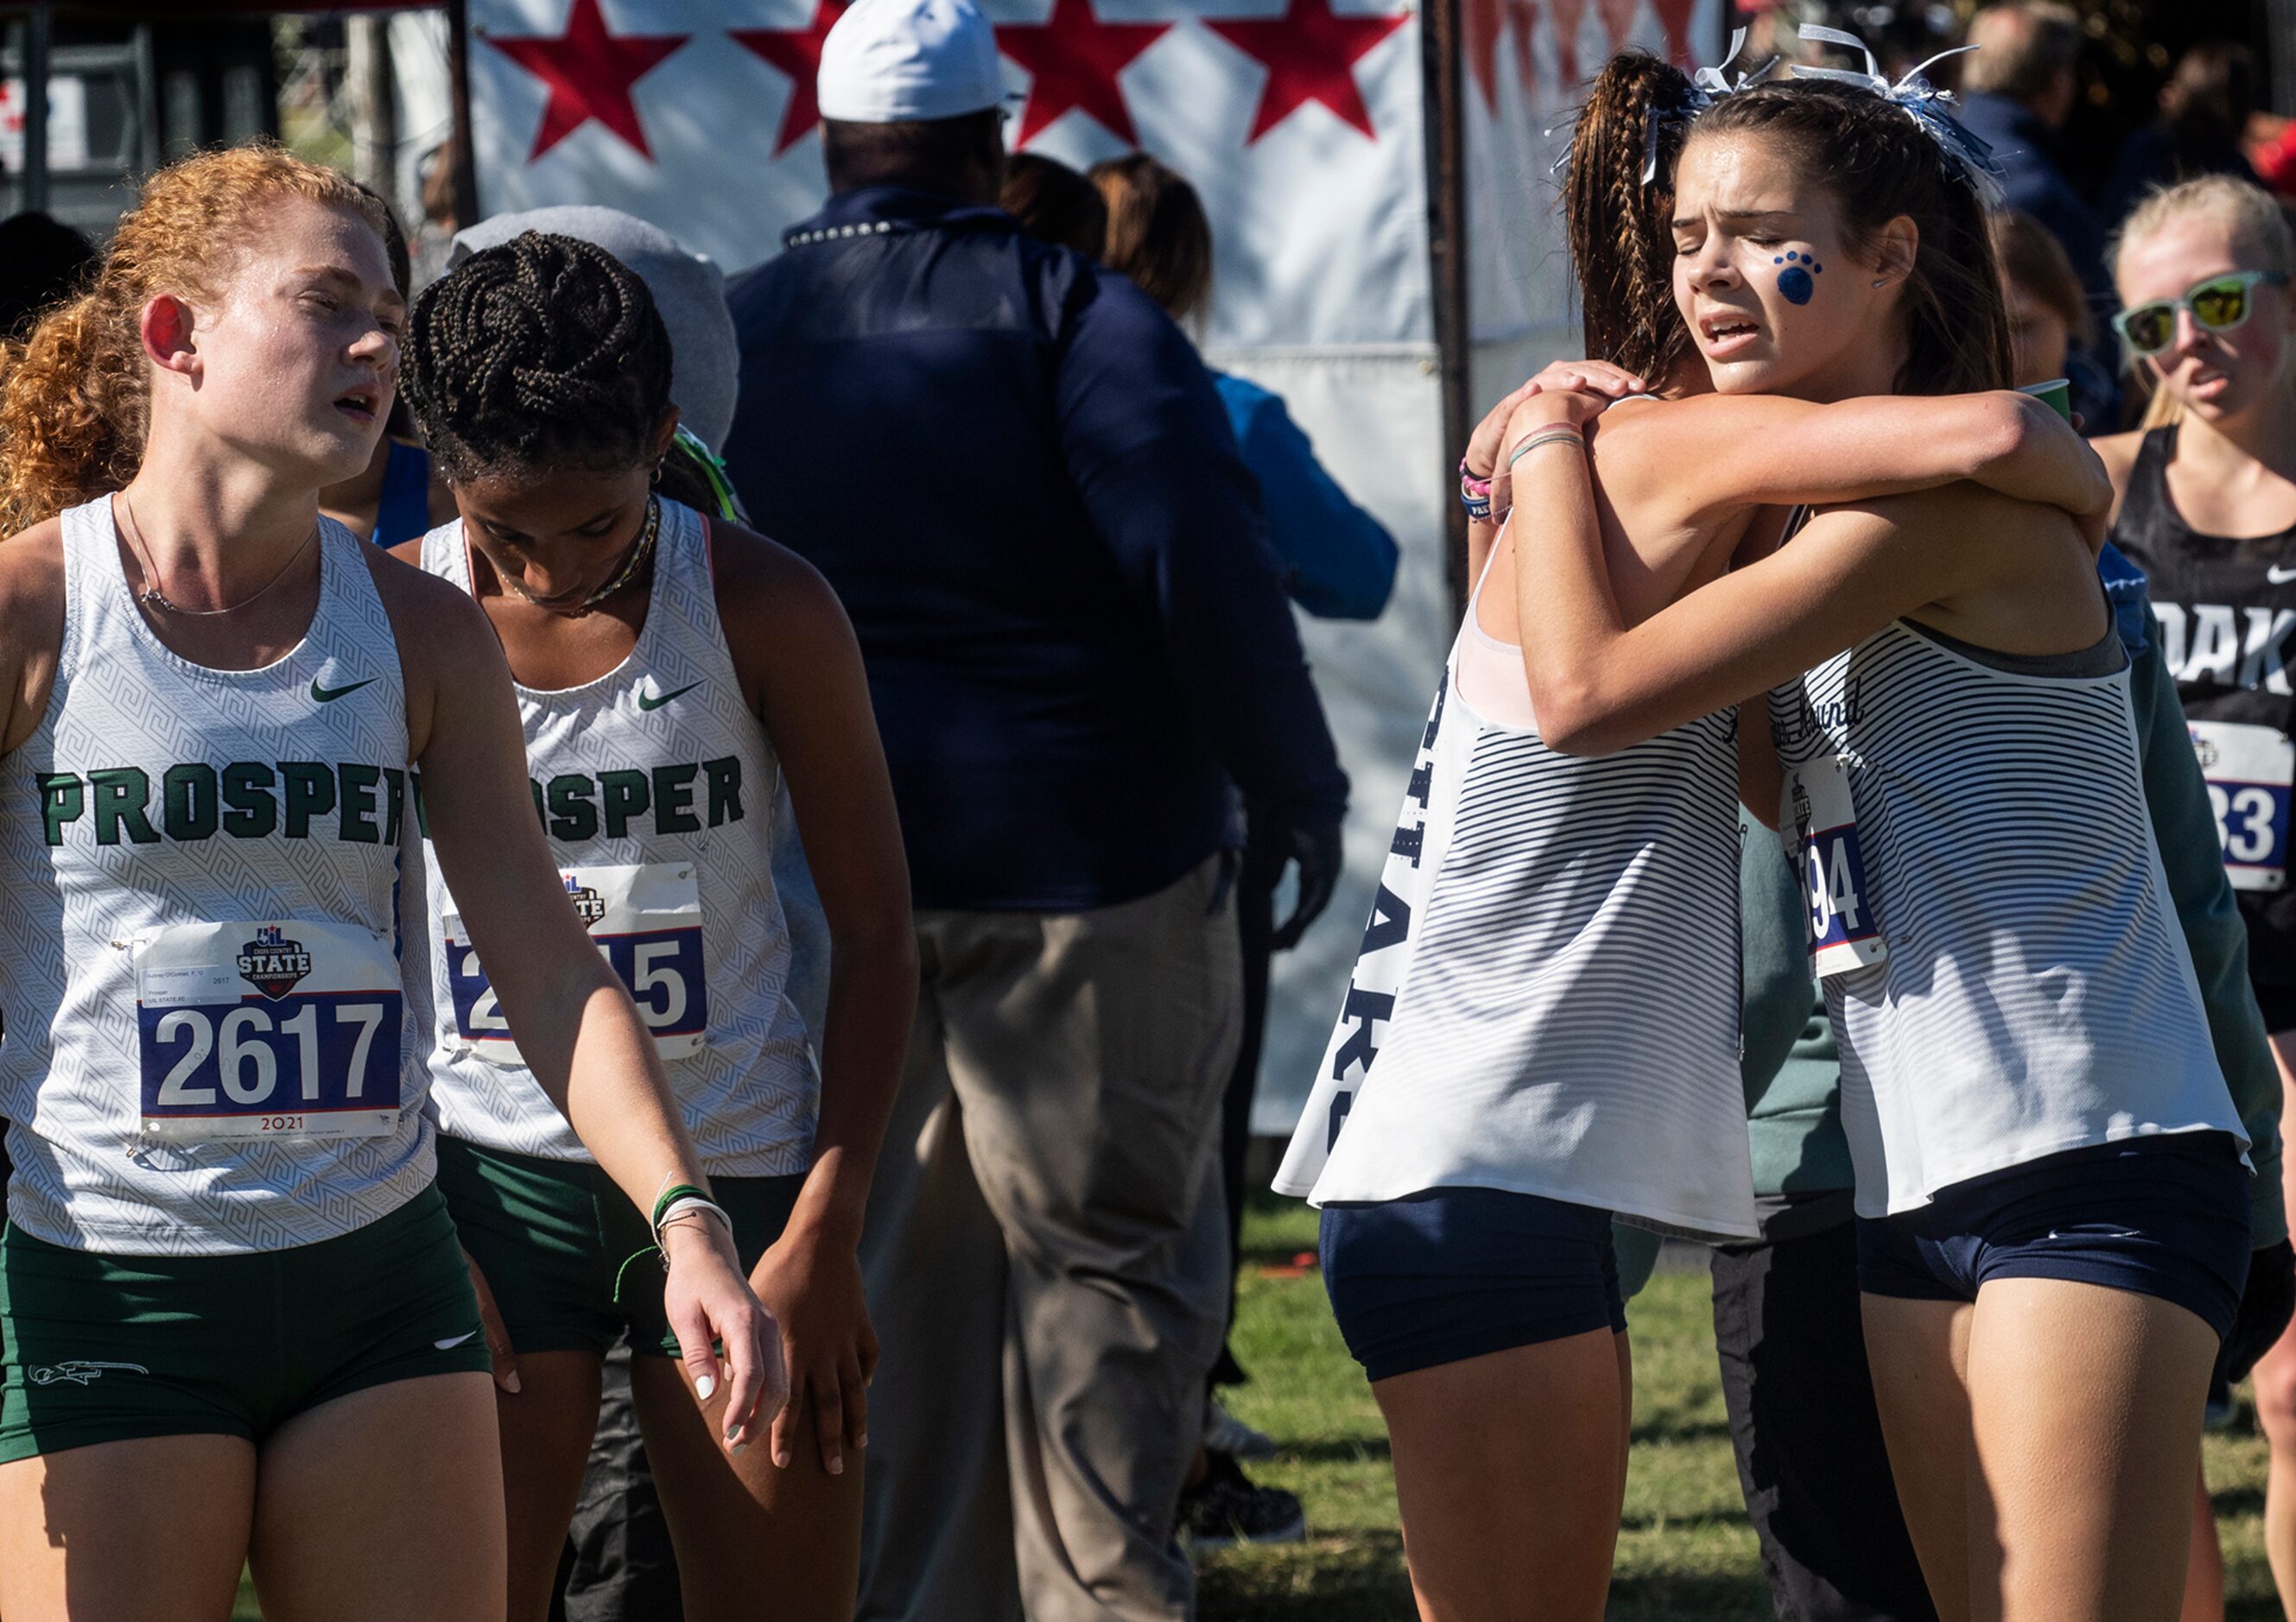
{"x": 657, "y": 466}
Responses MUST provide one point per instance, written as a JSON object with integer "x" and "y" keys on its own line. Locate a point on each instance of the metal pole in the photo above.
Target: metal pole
{"x": 459, "y": 154}
{"x": 1447, "y": 252}
{"x": 375, "y": 107}
{"x": 36, "y": 110}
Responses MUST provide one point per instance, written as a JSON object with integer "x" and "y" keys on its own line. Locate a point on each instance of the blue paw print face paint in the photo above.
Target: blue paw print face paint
{"x": 1797, "y": 281}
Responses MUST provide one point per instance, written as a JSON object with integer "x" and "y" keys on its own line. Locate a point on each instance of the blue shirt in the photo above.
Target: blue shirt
{"x": 1015, "y": 473}
{"x": 1341, "y": 560}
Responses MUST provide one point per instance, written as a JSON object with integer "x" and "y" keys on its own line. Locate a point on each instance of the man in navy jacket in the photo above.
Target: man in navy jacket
{"x": 1017, "y": 475}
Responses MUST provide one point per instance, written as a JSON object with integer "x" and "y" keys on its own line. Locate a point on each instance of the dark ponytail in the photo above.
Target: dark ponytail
{"x": 1877, "y": 163}
{"x": 1637, "y": 114}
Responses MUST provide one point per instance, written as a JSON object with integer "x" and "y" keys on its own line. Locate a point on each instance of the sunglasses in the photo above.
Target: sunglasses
{"x": 2219, "y": 304}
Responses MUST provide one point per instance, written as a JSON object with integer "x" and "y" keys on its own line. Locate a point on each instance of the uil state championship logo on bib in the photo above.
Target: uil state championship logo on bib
{"x": 587, "y": 905}
{"x": 272, "y": 963}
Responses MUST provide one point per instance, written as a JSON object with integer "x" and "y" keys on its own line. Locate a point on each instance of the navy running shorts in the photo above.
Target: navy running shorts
{"x": 1449, "y": 1274}
{"x": 2162, "y": 1216}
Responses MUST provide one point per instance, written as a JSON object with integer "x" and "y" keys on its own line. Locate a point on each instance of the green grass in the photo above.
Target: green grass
{"x": 1685, "y": 1549}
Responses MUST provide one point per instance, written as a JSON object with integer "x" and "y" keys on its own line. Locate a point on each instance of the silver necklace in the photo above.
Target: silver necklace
{"x": 151, "y": 596}
{"x": 640, "y": 551}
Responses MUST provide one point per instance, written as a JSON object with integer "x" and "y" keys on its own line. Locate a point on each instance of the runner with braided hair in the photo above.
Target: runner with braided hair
{"x": 235, "y": 1330}
{"x": 669, "y": 668}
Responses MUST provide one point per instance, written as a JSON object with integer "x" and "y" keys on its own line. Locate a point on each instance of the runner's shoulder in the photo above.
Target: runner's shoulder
{"x": 762, "y": 587}
{"x": 437, "y": 623}
{"x": 31, "y": 625}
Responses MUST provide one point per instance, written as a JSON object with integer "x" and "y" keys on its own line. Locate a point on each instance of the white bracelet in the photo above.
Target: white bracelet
{"x": 690, "y": 1204}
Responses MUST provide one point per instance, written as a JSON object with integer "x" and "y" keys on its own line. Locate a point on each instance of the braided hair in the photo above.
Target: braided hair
{"x": 1621, "y": 226}
{"x": 542, "y": 353}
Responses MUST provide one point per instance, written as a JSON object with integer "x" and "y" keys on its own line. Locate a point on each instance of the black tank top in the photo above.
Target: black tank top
{"x": 2226, "y": 611}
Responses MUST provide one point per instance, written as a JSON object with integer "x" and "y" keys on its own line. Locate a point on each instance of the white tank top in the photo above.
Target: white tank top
{"x": 199, "y": 931}
{"x": 2037, "y": 994}
{"x": 656, "y": 786}
{"x": 1549, "y": 982}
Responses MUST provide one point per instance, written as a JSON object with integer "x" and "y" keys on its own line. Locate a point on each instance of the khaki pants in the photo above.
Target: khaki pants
{"x": 1047, "y": 1281}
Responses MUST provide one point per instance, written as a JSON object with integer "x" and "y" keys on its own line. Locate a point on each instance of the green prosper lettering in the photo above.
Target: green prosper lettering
{"x": 364, "y": 805}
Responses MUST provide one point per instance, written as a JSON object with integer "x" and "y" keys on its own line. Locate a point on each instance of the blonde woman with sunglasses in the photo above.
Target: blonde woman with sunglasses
{"x": 2205, "y": 504}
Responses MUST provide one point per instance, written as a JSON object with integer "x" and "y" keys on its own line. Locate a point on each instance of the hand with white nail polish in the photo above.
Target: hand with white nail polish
{"x": 711, "y": 1310}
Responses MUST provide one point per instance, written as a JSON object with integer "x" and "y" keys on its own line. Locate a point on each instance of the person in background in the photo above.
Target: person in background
{"x": 2204, "y": 112}
{"x": 42, "y": 261}
{"x": 1341, "y": 558}
{"x": 396, "y": 498}
{"x": 2205, "y": 505}
{"x": 2050, "y": 333}
{"x": 1342, "y": 567}
{"x": 1016, "y": 474}
{"x": 1053, "y": 203}
{"x": 2017, "y": 88}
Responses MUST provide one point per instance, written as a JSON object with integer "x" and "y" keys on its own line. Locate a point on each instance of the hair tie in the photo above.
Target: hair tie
{"x": 1928, "y": 107}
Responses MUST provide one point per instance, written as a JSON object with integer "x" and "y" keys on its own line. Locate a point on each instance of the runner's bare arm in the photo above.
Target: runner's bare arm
{"x": 1600, "y": 684}
{"x": 801, "y": 672}
{"x": 576, "y": 1028}
{"x": 31, "y": 625}
{"x": 1695, "y": 461}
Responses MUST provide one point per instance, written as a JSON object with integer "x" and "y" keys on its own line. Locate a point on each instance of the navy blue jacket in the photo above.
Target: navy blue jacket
{"x": 1014, "y": 470}
{"x": 2026, "y": 149}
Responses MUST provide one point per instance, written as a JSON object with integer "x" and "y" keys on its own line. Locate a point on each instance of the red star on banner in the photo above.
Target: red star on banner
{"x": 797, "y": 53}
{"x": 590, "y": 72}
{"x": 1525, "y": 15}
{"x": 1479, "y": 43}
{"x": 1073, "y": 58}
{"x": 1310, "y": 55}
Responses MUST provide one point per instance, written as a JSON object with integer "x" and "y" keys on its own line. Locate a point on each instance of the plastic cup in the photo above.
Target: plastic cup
{"x": 2057, "y": 393}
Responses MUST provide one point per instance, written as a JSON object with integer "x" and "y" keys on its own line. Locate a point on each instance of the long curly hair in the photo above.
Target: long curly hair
{"x": 544, "y": 352}
{"x": 76, "y": 392}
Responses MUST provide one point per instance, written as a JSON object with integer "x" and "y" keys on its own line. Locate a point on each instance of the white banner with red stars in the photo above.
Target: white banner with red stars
{"x": 1299, "y": 120}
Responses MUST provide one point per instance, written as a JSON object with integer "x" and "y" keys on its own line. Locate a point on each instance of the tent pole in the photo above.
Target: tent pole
{"x": 1447, "y": 249}
{"x": 35, "y": 178}
{"x": 460, "y": 155}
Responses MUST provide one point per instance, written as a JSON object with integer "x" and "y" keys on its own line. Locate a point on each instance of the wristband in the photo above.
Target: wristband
{"x": 670, "y": 1196}
{"x": 1545, "y": 436}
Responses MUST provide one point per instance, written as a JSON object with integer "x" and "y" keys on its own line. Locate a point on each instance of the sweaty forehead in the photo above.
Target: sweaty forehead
{"x": 291, "y": 234}
{"x": 1735, "y": 174}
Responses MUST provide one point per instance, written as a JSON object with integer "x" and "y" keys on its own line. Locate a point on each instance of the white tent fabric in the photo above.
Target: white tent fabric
{"x": 1301, "y": 124}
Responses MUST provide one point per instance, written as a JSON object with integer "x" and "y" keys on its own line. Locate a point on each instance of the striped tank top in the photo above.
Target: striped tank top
{"x": 656, "y": 786}
{"x": 1546, "y": 1001}
{"x": 2037, "y": 994}
{"x": 199, "y": 948}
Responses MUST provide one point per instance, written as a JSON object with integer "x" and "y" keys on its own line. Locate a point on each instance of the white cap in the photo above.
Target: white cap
{"x": 889, "y": 61}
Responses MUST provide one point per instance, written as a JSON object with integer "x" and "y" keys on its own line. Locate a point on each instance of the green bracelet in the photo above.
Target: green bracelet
{"x": 671, "y": 1196}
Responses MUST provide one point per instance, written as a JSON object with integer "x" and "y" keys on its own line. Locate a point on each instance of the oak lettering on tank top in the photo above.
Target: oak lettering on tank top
{"x": 2210, "y": 642}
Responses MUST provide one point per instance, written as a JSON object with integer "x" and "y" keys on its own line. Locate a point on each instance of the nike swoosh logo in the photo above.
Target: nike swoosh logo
{"x": 328, "y": 695}
{"x": 2279, "y": 576}
{"x": 448, "y": 1345}
{"x": 648, "y": 701}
